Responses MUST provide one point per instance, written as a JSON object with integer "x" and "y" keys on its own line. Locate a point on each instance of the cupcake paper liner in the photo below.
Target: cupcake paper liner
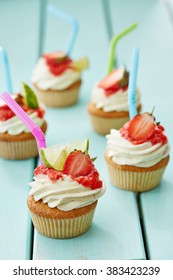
{"x": 104, "y": 125}
{"x": 62, "y": 228}
{"x": 58, "y": 98}
{"x": 133, "y": 180}
{"x": 19, "y": 149}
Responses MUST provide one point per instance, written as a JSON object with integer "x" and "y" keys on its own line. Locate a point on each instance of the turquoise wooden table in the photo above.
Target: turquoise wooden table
{"x": 126, "y": 225}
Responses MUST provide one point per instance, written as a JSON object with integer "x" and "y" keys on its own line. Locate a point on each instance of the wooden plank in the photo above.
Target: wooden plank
{"x": 18, "y": 35}
{"x": 15, "y": 230}
{"x": 155, "y": 74}
{"x": 157, "y": 205}
{"x": 169, "y": 9}
{"x": 115, "y": 232}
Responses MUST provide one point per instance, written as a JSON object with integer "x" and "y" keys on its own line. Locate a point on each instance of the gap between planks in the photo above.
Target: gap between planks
{"x": 36, "y": 160}
{"x": 141, "y": 219}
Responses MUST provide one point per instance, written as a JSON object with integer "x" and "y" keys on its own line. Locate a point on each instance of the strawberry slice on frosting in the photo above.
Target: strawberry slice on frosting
{"x": 117, "y": 79}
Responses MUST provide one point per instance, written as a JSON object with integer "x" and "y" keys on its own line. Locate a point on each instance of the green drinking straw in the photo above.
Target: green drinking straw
{"x": 113, "y": 44}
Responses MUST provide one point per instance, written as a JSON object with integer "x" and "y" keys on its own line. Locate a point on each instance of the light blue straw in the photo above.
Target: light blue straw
{"x": 132, "y": 83}
{"x": 72, "y": 21}
{"x": 42, "y": 24}
{"x": 6, "y": 68}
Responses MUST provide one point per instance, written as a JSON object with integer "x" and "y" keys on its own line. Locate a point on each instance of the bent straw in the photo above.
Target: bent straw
{"x": 35, "y": 130}
{"x": 72, "y": 21}
{"x": 113, "y": 43}
{"x": 132, "y": 83}
{"x": 6, "y": 68}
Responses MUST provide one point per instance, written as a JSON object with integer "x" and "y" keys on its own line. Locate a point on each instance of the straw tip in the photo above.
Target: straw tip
{"x": 134, "y": 25}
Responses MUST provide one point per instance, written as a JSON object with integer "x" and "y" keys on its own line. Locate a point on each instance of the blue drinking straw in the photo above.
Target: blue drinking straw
{"x": 72, "y": 21}
{"x": 132, "y": 83}
{"x": 42, "y": 24}
{"x": 6, "y": 68}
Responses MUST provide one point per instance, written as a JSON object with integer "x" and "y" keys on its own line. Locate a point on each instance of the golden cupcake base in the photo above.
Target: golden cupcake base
{"x": 55, "y": 223}
{"x": 136, "y": 179}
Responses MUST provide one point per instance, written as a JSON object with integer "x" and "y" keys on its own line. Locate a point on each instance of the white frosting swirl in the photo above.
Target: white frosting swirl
{"x": 65, "y": 193}
{"x": 15, "y": 126}
{"x": 46, "y": 80}
{"x": 117, "y": 101}
{"x": 124, "y": 152}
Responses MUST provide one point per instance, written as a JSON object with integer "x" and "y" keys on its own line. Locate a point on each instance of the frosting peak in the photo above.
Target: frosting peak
{"x": 124, "y": 152}
{"x": 64, "y": 193}
{"x": 115, "y": 102}
{"x": 46, "y": 80}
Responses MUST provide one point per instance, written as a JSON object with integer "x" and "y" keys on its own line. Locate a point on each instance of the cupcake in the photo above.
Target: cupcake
{"x": 137, "y": 154}
{"x": 16, "y": 142}
{"x": 65, "y": 191}
{"x": 57, "y": 79}
{"x": 108, "y": 107}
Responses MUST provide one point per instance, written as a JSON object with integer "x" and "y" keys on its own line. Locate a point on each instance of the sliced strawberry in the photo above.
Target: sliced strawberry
{"x": 6, "y": 114}
{"x": 4, "y": 107}
{"x": 56, "y": 57}
{"x": 112, "y": 80}
{"x": 141, "y": 127}
{"x": 114, "y": 89}
{"x": 58, "y": 69}
{"x": 77, "y": 164}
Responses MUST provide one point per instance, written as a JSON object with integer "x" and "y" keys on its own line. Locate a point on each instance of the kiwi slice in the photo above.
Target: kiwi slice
{"x": 56, "y": 155}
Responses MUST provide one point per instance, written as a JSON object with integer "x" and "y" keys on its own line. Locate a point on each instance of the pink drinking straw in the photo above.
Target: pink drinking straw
{"x": 35, "y": 130}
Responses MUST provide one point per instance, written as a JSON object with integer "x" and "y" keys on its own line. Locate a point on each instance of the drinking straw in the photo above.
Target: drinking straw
{"x": 34, "y": 129}
{"x": 6, "y": 68}
{"x": 132, "y": 83}
{"x": 72, "y": 21}
{"x": 42, "y": 24}
{"x": 113, "y": 44}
